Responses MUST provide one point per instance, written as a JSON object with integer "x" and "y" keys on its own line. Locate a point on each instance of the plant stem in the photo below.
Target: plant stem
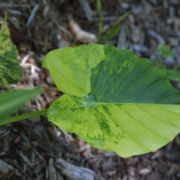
{"x": 99, "y": 6}
{"x": 24, "y": 116}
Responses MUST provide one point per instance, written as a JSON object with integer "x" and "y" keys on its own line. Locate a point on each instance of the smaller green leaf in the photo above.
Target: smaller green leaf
{"x": 11, "y": 101}
{"x": 9, "y": 66}
{"x": 166, "y": 51}
{"x": 114, "y": 29}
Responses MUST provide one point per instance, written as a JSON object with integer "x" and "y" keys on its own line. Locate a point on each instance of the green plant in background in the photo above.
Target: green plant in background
{"x": 100, "y": 10}
{"x": 9, "y": 65}
{"x": 113, "y": 99}
{"x": 111, "y": 31}
{"x": 165, "y": 51}
{"x": 11, "y": 100}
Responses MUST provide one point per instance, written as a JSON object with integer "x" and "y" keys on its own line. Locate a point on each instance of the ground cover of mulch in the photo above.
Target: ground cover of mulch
{"x": 36, "y": 149}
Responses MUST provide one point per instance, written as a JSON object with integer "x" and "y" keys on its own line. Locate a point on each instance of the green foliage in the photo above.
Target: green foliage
{"x": 11, "y": 101}
{"x": 165, "y": 51}
{"x": 113, "y": 30}
{"x": 113, "y": 100}
{"x": 9, "y": 65}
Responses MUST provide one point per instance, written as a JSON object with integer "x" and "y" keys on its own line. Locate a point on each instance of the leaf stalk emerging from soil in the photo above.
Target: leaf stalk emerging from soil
{"x": 24, "y": 116}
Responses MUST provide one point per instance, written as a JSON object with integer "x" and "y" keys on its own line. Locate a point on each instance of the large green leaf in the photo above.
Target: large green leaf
{"x": 11, "y": 101}
{"x": 9, "y": 65}
{"x": 129, "y": 106}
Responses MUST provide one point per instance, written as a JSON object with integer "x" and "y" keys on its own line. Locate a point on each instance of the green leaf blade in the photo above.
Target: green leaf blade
{"x": 9, "y": 66}
{"x": 129, "y": 107}
{"x": 11, "y": 101}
